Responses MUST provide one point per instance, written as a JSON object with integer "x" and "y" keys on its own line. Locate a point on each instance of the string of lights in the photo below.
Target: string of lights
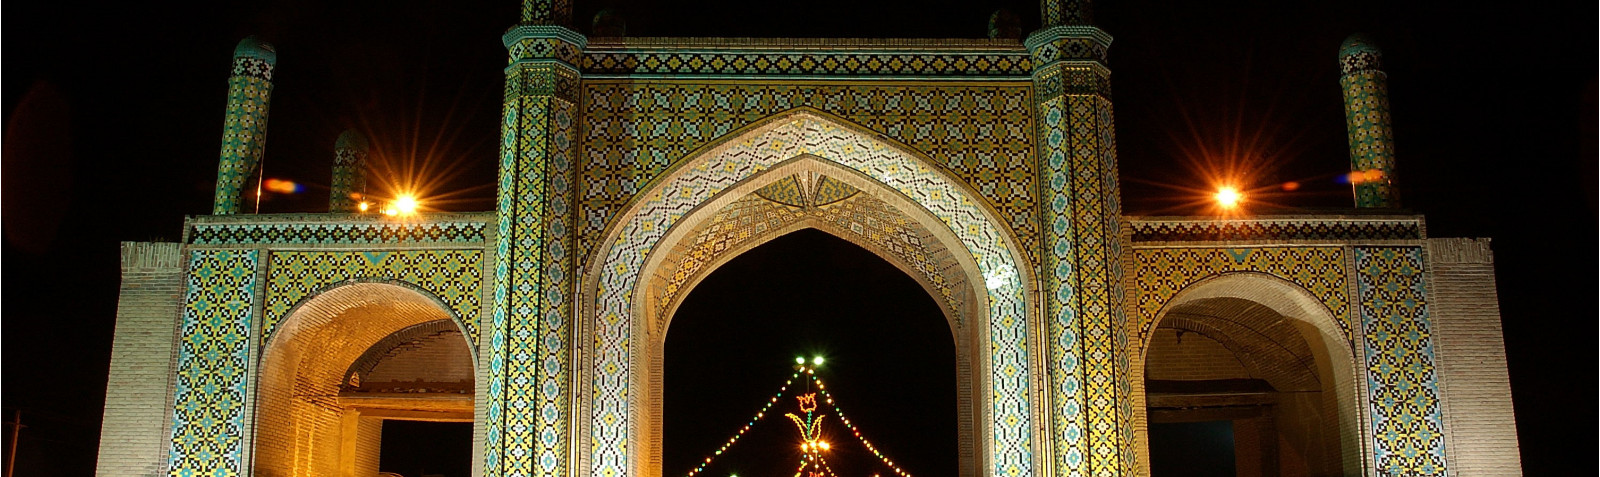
{"x": 759, "y": 414}
{"x": 828, "y": 397}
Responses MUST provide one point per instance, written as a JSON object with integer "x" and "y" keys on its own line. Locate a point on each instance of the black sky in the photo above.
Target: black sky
{"x": 113, "y": 118}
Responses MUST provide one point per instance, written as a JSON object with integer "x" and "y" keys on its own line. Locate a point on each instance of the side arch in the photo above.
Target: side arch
{"x": 299, "y": 426}
{"x": 1310, "y": 315}
{"x": 722, "y": 172}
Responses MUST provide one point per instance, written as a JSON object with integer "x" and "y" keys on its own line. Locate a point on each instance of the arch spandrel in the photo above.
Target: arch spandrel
{"x": 719, "y": 175}
{"x": 1160, "y": 273}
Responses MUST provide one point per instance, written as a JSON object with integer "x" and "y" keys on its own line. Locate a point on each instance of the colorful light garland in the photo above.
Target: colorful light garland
{"x": 810, "y": 429}
{"x": 828, "y": 397}
{"x": 759, "y": 414}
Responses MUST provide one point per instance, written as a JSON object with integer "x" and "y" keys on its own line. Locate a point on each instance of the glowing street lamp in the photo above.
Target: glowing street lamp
{"x": 1228, "y": 198}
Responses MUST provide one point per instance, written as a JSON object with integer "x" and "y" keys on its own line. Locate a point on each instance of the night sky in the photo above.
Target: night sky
{"x": 113, "y": 117}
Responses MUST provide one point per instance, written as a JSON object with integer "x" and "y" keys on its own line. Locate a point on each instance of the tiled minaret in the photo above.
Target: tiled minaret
{"x": 349, "y": 185}
{"x": 530, "y": 338}
{"x": 244, "y": 127}
{"x": 1366, "y": 117}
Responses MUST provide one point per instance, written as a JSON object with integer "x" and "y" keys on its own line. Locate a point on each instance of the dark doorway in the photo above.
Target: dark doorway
{"x": 420, "y": 448}
{"x": 1192, "y": 449}
{"x": 890, "y": 362}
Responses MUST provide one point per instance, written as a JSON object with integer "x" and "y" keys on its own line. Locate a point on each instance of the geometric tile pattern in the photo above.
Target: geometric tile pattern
{"x": 794, "y": 191}
{"x": 529, "y": 331}
{"x": 1083, "y": 287}
{"x": 674, "y": 196}
{"x": 1366, "y": 112}
{"x": 455, "y": 277}
{"x": 1201, "y": 230}
{"x": 1160, "y": 273}
{"x": 977, "y": 132}
{"x": 1059, "y": 285}
{"x": 547, "y": 12}
{"x": 349, "y": 185}
{"x": 1092, "y": 156}
{"x": 808, "y": 63}
{"x": 212, "y": 365}
{"x": 244, "y": 125}
{"x": 1402, "y": 382}
{"x": 337, "y": 233}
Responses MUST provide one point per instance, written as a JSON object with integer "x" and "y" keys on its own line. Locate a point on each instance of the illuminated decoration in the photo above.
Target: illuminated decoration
{"x": 810, "y": 427}
{"x": 812, "y": 441}
{"x": 742, "y": 430}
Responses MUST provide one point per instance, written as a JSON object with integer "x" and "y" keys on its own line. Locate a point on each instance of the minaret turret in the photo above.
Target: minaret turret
{"x": 1366, "y": 116}
{"x": 348, "y": 189}
{"x": 244, "y": 127}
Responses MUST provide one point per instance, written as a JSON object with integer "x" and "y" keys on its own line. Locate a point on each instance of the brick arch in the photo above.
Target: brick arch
{"x": 614, "y": 416}
{"x": 455, "y": 315}
{"x": 1298, "y": 304}
{"x": 299, "y": 425}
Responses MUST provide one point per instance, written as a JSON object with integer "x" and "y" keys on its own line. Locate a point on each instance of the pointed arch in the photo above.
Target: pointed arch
{"x": 611, "y": 415}
{"x": 1315, "y": 321}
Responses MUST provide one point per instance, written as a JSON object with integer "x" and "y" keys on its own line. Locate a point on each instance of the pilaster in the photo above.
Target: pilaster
{"x": 1090, "y": 405}
{"x": 531, "y": 329}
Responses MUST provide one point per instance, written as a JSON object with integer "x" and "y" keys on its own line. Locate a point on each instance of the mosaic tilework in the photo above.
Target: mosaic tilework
{"x": 808, "y": 64}
{"x": 453, "y": 276}
{"x": 547, "y": 12}
{"x": 1059, "y": 283}
{"x": 780, "y": 139}
{"x": 530, "y": 340}
{"x": 244, "y": 125}
{"x": 1201, "y": 230}
{"x": 978, "y": 133}
{"x": 1066, "y": 12}
{"x": 540, "y": 42}
{"x": 1089, "y": 380}
{"x": 812, "y": 190}
{"x": 349, "y": 184}
{"x": 349, "y": 233}
{"x": 1161, "y": 273}
{"x": 1366, "y": 112}
{"x": 860, "y": 218}
{"x": 1402, "y": 385}
{"x": 213, "y": 363}
{"x": 1068, "y": 42}
{"x": 1091, "y": 158}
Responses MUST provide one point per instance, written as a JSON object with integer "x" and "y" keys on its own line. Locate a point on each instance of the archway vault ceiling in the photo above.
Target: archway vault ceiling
{"x": 810, "y": 200}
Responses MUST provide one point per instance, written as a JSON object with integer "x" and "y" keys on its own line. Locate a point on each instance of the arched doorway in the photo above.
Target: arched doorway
{"x": 629, "y": 272}
{"x": 1248, "y": 374}
{"x": 890, "y": 359}
{"x": 345, "y": 361}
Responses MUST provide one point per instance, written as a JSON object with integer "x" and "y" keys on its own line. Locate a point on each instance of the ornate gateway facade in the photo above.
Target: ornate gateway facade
{"x": 276, "y": 345}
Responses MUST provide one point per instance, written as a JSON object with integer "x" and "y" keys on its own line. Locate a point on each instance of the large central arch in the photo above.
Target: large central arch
{"x": 617, "y": 418}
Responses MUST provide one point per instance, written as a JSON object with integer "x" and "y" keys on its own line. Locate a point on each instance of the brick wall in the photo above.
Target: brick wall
{"x": 1480, "y": 427}
{"x": 135, "y": 433}
{"x": 1194, "y": 357}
